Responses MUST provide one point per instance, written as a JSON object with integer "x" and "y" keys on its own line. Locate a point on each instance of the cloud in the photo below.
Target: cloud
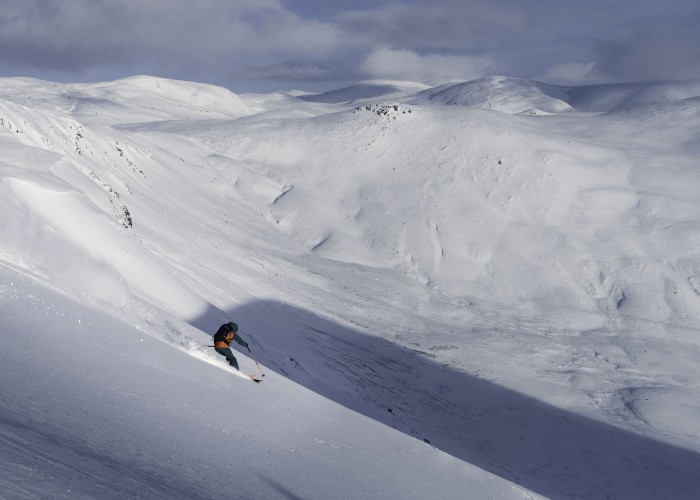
{"x": 436, "y": 25}
{"x": 661, "y": 51}
{"x": 75, "y": 35}
{"x": 428, "y": 68}
{"x": 572, "y": 72}
{"x": 213, "y": 40}
{"x": 222, "y": 41}
{"x": 300, "y": 71}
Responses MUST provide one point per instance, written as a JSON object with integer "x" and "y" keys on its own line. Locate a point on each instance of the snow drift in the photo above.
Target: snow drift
{"x": 503, "y": 269}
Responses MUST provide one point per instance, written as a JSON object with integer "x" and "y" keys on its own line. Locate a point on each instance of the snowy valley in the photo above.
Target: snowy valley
{"x": 485, "y": 289}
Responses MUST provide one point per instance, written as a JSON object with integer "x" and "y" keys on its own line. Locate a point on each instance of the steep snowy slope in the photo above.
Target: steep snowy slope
{"x": 520, "y": 291}
{"x": 92, "y": 408}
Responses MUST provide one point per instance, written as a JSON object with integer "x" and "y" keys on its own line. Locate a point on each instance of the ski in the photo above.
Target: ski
{"x": 258, "y": 380}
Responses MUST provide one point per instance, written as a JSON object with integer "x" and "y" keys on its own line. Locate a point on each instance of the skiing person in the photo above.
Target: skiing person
{"x": 222, "y": 341}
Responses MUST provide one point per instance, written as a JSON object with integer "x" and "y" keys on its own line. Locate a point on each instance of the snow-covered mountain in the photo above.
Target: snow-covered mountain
{"x": 518, "y": 95}
{"x": 482, "y": 279}
{"x": 509, "y": 95}
{"x": 369, "y": 89}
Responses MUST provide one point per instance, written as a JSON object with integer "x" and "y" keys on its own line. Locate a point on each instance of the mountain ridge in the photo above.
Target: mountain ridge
{"x": 550, "y": 255}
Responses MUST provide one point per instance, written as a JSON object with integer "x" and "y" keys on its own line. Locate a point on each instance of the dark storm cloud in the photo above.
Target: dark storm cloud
{"x": 210, "y": 35}
{"x": 653, "y": 52}
{"x": 54, "y": 35}
{"x": 224, "y": 41}
{"x": 437, "y": 26}
{"x": 541, "y": 38}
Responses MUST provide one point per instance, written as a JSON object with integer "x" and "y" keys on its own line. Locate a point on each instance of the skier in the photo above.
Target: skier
{"x": 222, "y": 340}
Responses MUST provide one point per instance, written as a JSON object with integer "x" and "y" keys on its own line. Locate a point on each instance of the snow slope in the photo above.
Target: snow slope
{"x": 520, "y": 291}
{"x": 94, "y": 408}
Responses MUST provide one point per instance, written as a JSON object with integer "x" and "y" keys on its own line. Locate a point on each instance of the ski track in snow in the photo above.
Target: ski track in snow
{"x": 503, "y": 269}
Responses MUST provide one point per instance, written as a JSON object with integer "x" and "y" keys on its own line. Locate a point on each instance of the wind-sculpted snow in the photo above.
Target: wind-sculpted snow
{"x": 505, "y": 269}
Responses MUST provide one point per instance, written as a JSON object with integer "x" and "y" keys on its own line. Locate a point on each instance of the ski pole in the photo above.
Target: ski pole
{"x": 256, "y": 361}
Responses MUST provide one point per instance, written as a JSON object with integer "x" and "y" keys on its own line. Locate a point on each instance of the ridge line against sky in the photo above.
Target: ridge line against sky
{"x": 266, "y": 45}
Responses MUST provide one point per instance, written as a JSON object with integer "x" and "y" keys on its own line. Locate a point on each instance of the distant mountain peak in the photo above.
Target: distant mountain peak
{"x": 367, "y": 89}
{"x": 499, "y": 93}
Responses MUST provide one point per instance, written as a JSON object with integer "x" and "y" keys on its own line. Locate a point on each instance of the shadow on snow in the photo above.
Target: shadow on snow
{"x": 550, "y": 451}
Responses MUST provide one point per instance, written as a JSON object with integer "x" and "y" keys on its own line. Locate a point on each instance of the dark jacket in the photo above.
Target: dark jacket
{"x": 230, "y": 335}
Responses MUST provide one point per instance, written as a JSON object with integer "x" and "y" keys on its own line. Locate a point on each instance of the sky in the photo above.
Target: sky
{"x": 267, "y": 45}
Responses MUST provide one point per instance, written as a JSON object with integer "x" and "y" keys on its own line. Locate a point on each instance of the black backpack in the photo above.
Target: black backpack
{"x": 220, "y": 335}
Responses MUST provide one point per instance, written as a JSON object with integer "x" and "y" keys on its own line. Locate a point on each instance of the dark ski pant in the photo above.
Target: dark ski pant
{"x": 226, "y": 351}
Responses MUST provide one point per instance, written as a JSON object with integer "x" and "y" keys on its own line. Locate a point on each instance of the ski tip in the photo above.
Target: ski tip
{"x": 257, "y": 380}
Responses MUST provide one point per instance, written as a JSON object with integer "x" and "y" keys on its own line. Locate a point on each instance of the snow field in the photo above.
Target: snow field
{"x": 514, "y": 274}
